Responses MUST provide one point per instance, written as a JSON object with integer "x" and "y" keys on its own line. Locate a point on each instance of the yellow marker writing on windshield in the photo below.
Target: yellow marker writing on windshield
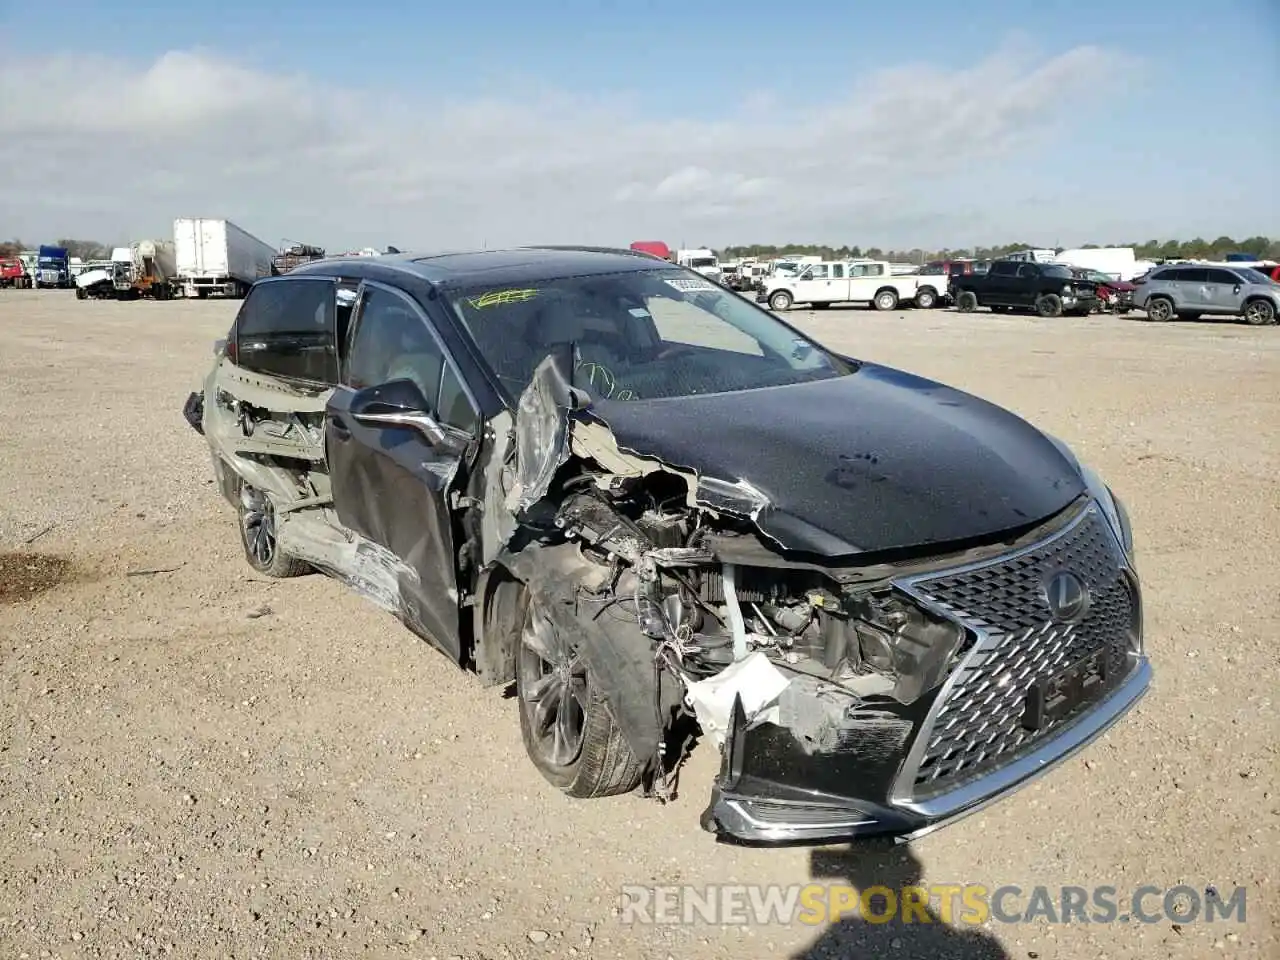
{"x": 499, "y": 297}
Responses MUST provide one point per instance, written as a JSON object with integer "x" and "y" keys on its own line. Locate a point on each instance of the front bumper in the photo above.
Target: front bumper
{"x": 748, "y": 809}
{"x": 881, "y": 767}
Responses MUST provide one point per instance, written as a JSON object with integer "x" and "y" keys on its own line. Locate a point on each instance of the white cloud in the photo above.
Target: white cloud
{"x": 121, "y": 149}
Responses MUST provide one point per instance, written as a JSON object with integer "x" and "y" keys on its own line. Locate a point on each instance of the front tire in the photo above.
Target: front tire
{"x": 1160, "y": 309}
{"x": 567, "y": 728}
{"x": 1049, "y": 306}
{"x": 258, "y": 536}
{"x": 1259, "y": 313}
{"x": 780, "y": 300}
{"x": 81, "y": 294}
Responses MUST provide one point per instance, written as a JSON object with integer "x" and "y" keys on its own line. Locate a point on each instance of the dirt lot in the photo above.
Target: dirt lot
{"x": 195, "y": 762}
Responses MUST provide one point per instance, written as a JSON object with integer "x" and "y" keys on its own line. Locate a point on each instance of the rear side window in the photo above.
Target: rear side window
{"x": 1224, "y": 276}
{"x": 392, "y": 342}
{"x": 1005, "y": 268}
{"x": 287, "y": 328}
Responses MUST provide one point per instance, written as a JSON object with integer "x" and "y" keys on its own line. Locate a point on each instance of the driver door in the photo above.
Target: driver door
{"x": 391, "y": 483}
{"x": 813, "y": 284}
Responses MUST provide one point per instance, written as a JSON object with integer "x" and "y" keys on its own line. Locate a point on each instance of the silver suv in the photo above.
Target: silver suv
{"x": 1188, "y": 291}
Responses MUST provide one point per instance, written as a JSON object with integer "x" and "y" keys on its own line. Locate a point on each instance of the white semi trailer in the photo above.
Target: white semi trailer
{"x": 217, "y": 257}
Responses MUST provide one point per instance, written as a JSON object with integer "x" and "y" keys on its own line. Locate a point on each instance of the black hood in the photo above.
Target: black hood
{"x": 876, "y": 460}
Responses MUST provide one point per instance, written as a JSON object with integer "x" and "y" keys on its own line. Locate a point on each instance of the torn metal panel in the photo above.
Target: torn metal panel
{"x": 497, "y": 522}
{"x": 541, "y": 433}
{"x": 754, "y": 682}
{"x": 371, "y": 570}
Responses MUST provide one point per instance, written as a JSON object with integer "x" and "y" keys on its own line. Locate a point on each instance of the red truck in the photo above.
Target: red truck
{"x": 12, "y": 272}
{"x": 655, "y": 248}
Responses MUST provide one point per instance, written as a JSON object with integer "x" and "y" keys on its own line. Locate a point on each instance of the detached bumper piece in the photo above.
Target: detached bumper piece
{"x": 193, "y": 410}
{"x": 1029, "y": 692}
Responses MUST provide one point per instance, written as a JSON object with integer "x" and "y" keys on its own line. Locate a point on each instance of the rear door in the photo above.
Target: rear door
{"x": 391, "y": 484}
{"x": 1193, "y": 289}
{"x": 1000, "y": 282}
{"x": 867, "y": 279}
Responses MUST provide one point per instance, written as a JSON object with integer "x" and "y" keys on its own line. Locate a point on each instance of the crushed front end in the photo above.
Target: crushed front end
{"x": 968, "y": 720}
{"x": 886, "y": 693}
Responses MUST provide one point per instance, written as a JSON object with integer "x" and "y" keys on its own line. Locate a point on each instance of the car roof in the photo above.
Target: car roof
{"x": 467, "y": 268}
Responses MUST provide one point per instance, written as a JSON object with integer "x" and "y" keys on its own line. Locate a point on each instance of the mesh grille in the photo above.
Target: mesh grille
{"x": 979, "y": 726}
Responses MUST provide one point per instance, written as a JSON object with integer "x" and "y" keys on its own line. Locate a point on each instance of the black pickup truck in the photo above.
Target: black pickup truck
{"x": 1049, "y": 289}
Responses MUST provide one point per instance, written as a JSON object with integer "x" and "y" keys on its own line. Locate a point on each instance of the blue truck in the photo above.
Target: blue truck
{"x": 53, "y": 267}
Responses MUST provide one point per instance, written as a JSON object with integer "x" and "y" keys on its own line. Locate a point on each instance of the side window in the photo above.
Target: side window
{"x": 1224, "y": 276}
{"x": 1028, "y": 271}
{"x": 837, "y": 271}
{"x": 286, "y": 328}
{"x": 819, "y": 271}
{"x": 392, "y": 342}
{"x": 454, "y": 408}
{"x": 1194, "y": 275}
{"x": 875, "y": 270}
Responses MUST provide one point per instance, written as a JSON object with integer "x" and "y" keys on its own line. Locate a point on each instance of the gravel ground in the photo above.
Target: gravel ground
{"x": 195, "y": 762}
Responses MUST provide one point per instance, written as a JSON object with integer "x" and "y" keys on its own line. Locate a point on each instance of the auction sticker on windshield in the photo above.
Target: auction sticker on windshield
{"x": 690, "y": 284}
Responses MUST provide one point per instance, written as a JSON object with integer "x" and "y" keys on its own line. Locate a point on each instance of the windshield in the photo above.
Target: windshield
{"x": 696, "y": 262}
{"x": 640, "y": 335}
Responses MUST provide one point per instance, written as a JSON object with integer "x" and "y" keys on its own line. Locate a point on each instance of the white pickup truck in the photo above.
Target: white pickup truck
{"x": 850, "y": 281}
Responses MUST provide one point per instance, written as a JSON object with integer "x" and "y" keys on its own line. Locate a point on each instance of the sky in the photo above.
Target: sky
{"x": 435, "y": 125}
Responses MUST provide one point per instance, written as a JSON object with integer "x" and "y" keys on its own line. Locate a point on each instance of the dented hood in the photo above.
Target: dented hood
{"x": 877, "y": 460}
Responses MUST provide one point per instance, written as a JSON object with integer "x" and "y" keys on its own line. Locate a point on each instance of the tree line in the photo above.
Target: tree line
{"x": 84, "y": 249}
{"x": 1264, "y": 248}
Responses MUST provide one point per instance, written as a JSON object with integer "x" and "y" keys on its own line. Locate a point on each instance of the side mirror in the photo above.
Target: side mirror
{"x": 397, "y": 403}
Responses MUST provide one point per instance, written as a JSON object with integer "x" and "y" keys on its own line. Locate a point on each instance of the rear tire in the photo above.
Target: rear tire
{"x": 1049, "y": 306}
{"x": 886, "y": 300}
{"x": 926, "y": 299}
{"x": 967, "y": 301}
{"x": 567, "y": 728}
{"x": 258, "y": 536}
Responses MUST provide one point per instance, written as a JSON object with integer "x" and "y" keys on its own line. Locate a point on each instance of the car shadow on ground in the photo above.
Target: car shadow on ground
{"x": 875, "y": 864}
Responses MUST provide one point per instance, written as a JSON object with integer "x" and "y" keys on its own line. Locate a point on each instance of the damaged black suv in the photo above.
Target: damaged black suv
{"x": 657, "y": 508}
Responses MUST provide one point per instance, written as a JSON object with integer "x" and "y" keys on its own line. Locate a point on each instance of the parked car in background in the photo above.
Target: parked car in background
{"x": 1188, "y": 292}
{"x": 547, "y": 463}
{"x": 1048, "y": 289}
{"x": 13, "y": 273}
{"x": 1115, "y": 296}
{"x": 850, "y": 281}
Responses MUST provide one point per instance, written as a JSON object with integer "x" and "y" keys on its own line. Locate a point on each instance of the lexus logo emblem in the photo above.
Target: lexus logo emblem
{"x": 1067, "y": 595}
